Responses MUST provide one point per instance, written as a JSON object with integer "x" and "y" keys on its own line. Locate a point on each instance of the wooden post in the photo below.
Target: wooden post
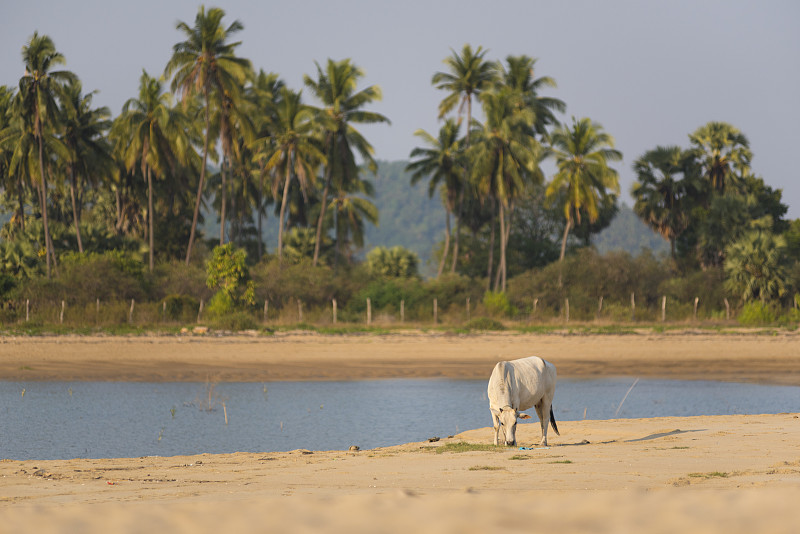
{"x": 566, "y": 307}
{"x": 633, "y": 306}
{"x": 694, "y": 314}
{"x": 403, "y": 311}
{"x": 97, "y": 309}
{"x": 663, "y": 308}
{"x": 369, "y": 312}
{"x": 266, "y": 310}
{"x": 600, "y": 306}
{"x": 130, "y": 313}
{"x": 200, "y": 311}
{"x": 467, "y": 309}
{"x": 299, "y": 310}
{"x": 727, "y": 310}
{"x": 164, "y": 311}
{"x": 61, "y": 317}
{"x": 334, "y": 311}
{"x": 27, "y": 310}
{"x": 435, "y": 311}
{"x": 535, "y": 304}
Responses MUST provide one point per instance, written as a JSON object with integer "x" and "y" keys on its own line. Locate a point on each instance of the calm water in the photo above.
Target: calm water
{"x": 60, "y": 420}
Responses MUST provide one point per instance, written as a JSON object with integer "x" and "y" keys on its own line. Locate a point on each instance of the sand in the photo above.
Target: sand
{"x": 726, "y": 474}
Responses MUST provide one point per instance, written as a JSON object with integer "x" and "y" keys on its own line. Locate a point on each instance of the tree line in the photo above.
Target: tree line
{"x": 211, "y": 134}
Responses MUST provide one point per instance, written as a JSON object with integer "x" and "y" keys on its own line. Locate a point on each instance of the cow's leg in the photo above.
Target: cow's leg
{"x": 496, "y": 425}
{"x": 543, "y": 409}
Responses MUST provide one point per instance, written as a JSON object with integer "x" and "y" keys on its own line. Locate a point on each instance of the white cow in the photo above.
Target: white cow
{"x": 519, "y": 385}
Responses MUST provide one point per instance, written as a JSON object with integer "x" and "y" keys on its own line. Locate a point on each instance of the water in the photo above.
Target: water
{"x": 61, "y": 420}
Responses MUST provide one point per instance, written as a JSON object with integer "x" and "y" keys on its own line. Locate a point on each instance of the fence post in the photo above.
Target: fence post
{"x": 600, "y": 306}
{"x": 435, "y": 311}
{"x": 27, "y": 310}
{"x": 663, "y": 308}
{"x": 164, "y": 311}
{"x": 467, "y": 309}
{"x": 694, "y": 313}
{"x": 633, "y": 306}
{"x": 369, "y": 312}
{"x": 130, "y": 314}
{"x": 566, "y": 304}
{"x": 535, "y": 304}
{"x": 266, "y": 310}
{"x": 727, "y": 309}
{"x": 334, "y": 311}
{"x": 97, "y": 311}
{"x": 402, "y": 310}
{"x": 61, "y": 317}
{"x": 200, "y": 311}
{"x": 299, "y": 310}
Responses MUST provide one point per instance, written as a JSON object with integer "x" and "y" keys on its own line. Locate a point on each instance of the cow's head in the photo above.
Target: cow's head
{"x": 508, "y": 423}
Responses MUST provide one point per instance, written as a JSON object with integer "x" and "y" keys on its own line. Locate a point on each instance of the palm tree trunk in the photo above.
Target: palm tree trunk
{"x": 563, "y": 251}
{"x": 224, "y": 202}
{"x": 502, "y": 266}
{"x": 199, "y": 187}
{"x": 72, "y": 187}
{"x": 21, "y": 203}
{"x": 260, "y": 243}
{"x": 284, "y": 201}
{"x": 325, "y": 192}
{"x": 491, "y": 248}
{"x": 150, "y": 216}
{"x": 48, "y": 245}
{"x": 458, "y": 230}
{"x": 446, "y": 243}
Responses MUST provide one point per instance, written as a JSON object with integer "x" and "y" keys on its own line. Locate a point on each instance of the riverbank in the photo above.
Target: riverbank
{"x": 689, "y": 355}
{"x": 726, "y": 474}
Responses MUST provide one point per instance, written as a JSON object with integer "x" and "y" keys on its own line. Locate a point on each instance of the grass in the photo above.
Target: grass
{"x": 463, "y": 446}
{"x": 560, "y": 462}
{"x": 485, "y": 468}
{"x": 520, "y": 457}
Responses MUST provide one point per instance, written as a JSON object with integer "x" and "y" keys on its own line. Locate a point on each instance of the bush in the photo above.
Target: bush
{"x": 497, "y": 304}
{"x": 485, "y": 324}
{"x": 757, "y": 313}
{"x": 180, "y": 307}
{"x": 220, "y": 305}
{"x": 236, "y": 322}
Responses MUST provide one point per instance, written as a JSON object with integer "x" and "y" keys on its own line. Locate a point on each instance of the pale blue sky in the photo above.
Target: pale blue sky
{"x": 649, "y": 72}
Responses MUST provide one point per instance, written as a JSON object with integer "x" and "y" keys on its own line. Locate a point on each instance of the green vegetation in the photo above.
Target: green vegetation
{"x": 713, "y": 474}
{"x": 463, "y": 446}
{"x": 103, "y": 217}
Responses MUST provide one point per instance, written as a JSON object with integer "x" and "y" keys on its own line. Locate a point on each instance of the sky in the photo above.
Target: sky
{"x": 649, "y": 72}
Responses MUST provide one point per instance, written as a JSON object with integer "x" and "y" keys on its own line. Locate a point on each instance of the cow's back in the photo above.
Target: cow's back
{"x": 533, "y": 379}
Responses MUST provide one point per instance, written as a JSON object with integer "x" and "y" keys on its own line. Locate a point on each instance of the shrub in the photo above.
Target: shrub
{"x": 236, "y": 322}
{"x": 756, "y": 313}
{"x": 497, "y": 304}
{"x": 220, "y": 305}
{"x": 484, "y": 323}
{"x": 180, "y": 307}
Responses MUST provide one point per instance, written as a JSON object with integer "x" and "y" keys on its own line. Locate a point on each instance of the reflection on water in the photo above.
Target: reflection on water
{"x": 59, "y": 420}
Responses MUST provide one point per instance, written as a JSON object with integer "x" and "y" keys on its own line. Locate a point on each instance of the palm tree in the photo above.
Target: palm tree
{"x": 506, "y": 158}
{"x": 205, "y": 64}
{"x": 84, "y": 132}
{"x": 336, "y": 88}
{"x": 39, "y": 89}
{"x": 756, "y": 266}
{"x": 469, "y": 74}
{"x": 519, "y": 77}
{"x": 11, "y": 133}
{"x": 659, "y": 192}
{"x": 351, "y": 210}
{"x": 443, "y": 163}
{"x": 723, "y": 153}
{"x": 153, "y": 134}
{"x": 582, "y": 154}
{"x": 291, "y": 151}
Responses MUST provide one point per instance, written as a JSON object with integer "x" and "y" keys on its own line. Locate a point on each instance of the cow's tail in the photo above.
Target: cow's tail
{"x": 553, "y": 421}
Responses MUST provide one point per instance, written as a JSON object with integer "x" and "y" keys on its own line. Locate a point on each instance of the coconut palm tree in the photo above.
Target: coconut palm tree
{"x": 441, "y": 162}
{"x": 336, "y": 88}
{"x": 40, "y": 89}
{"x": 292, "y": 150}
{"x": 84, "y": 133}
{"x": 468, "y": 75}
{"x": 506, "y": 159}
{"x": 351, "y": 211}
{"x": 518, "y": 75}
{"x": 661, "y": 190}
{"x": 582, "y": 152}
{"x": 205, "y": 64}
{"x": 152, "y": 133}
{"x": 723, "y": 153}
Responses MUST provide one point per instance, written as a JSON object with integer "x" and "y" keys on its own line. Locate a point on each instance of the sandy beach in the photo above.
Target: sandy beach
{"x": 705, "y": 474}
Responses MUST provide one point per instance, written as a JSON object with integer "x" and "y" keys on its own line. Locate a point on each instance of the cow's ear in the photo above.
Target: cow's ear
{"x": 524, "y": 416}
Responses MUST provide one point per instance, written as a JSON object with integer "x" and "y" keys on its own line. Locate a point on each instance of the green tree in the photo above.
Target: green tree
{"x": 40, "y": 89}
{"x": 755, "y": 266}
{"x": 227, "y": 272}
{"x": 468, "y": 75}
{"x": 153, "y": 134}
{"x": 582, "y": 152}
{"x": 518, "y": 75}
{"x": 442, "y": 162}
{"x": 722, "y": 152}
{"x": 205, "y": 64}
{"x": 336, "y": 88}
{"x": 660, "y": 192}
{"x": 395, "y": 262}
{"x": 292, "y": 150}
